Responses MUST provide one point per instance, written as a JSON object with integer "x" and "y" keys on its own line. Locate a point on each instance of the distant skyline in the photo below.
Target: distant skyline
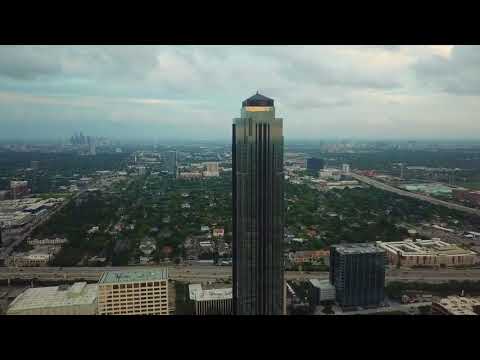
{"x": 193, "y": 92}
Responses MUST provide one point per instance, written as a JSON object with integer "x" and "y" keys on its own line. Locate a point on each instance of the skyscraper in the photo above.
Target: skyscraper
{"x": 314, "y": 165}
{"x": 91, "y": 145}
{"x": 258, "y": 209}
{"x": 171, "y": 162}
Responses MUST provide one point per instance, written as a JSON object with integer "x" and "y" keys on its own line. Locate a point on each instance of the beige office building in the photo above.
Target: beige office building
{"x": 456, "y": 305}
{"x": 133, "y": 293}
{"x": 432, "y": 252}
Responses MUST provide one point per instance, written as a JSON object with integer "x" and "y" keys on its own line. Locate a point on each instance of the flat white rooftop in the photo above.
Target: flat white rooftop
{"x": 54, "y": 296}
{"x": 423, "y": 248}
{"x": 198, "y": 294}
{"x": 116, "y": 277}
{"x": 322, "y": 284}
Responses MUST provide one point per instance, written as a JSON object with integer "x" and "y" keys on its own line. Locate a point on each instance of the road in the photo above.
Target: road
{"x": 407, "y": 308}
{"x": 203, "y": 273}
{"x": 383, "y": 186}
{"x": 6, "y": 251}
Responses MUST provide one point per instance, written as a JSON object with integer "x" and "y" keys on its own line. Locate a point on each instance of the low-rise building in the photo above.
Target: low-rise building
{"x": 43, "y": 242}
{"x": 320, "y": 291}
{"x": 15, "y": 226}
{"x": 93, "y": 230}
{"x": 456, "y": 305}
{"x": 432, "y": 252}
{"x": 78, "y": 299}
{"x": 147, "y": 247}
{"x": 333, "y": 174}
{"x": 133, "y": 293}
{"x": 211, "y": 301}
{"x": 308, "y": 256}
{"x": 190, "y": 175}
{"x": 39, "y": 256}
{"x": 218, "y": 232}
{"x": 466, "y": 195}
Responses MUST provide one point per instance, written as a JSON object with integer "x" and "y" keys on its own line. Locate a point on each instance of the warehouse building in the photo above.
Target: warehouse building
{"x": 78, "y": 299}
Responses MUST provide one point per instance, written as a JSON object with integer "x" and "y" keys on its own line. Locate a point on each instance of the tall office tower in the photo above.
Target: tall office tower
{"x": 358, "y": 273}
{"x": 171, "y": 162}
{"x": 91, "y": 145}
{"x": 258, "y": 209}
{"x": 346, "y": 169}
{"x": 314, "y": 165}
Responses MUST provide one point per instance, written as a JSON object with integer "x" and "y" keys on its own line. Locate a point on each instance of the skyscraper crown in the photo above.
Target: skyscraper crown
{"x": 258, "y": 100}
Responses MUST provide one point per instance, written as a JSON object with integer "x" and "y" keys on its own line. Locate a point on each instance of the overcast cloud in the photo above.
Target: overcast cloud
{"x": 194, "y": 91}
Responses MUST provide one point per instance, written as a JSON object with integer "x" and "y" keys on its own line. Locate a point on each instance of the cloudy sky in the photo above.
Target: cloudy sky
{"x": 165, "y": 92}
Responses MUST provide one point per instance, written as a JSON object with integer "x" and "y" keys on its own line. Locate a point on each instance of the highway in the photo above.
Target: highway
{"x": 383, "y": 186}
{"x": 6, "y": 251}
{"x": 203, "y": 273}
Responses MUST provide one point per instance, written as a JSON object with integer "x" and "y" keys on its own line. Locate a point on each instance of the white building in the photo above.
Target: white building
{"x": 333, "y": 174}
{"x": 54, "y": 241}
{"x": 346, "y": 169}
{"x": 456, "y": 305}
{"x": 323, "y": 290}
{"x": 93, "y": 230}
{"x": 78, "y": 299}
{"x": 211, "y": 301}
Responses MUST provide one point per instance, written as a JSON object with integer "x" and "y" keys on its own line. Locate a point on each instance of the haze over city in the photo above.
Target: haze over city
{"x": 191, "y": 92}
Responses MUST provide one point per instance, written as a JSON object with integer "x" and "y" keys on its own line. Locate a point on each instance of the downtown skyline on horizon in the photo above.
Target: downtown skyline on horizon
{"x": 186, "y": 92}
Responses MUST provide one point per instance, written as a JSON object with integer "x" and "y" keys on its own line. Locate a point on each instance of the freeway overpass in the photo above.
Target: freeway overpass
{"x": 432, "y": 200}
{"x": 210, "y": 273}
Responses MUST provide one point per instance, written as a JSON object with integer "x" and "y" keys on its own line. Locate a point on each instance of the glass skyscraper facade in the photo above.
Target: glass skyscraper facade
{"x": 358, "y": 273}
{"x": 314, "y": 165}
{"x": 171, "y": 162}
{"x": 258, "y": 209}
